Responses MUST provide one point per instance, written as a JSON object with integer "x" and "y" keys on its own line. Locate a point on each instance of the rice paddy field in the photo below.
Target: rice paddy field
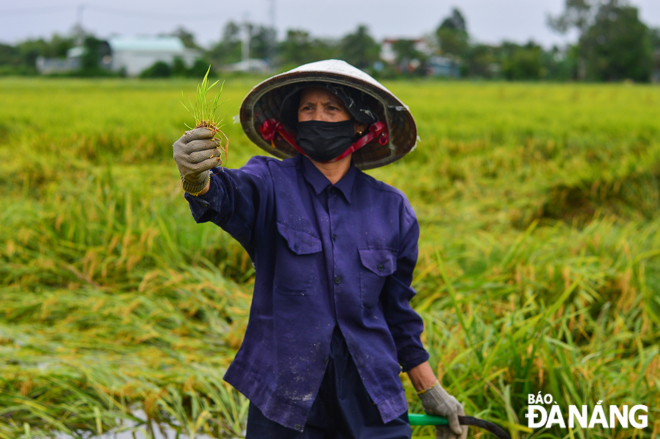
{"x": 539, "y": 267}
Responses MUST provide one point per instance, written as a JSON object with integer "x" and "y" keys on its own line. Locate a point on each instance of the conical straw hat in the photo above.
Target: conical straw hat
{"x": 265, "y": 101}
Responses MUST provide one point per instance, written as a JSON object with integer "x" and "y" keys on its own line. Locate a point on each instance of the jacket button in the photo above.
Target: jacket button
{"x": 337, "y": 280}
{"x": 380, "y": 267}
{"x": 297, "y": 427}
{"x": 327, "y": 360}
{"x": 334, "y": 237}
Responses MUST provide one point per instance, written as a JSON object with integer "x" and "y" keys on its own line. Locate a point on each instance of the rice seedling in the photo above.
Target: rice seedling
{"x": 205, "y": 112}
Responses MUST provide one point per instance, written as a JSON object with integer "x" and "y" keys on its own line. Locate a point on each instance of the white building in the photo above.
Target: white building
{"x": 388, "y": 54}
{"x": 134, "y": 54}
{"x": 251, "y": 65}
{"x": 129, "y": 54}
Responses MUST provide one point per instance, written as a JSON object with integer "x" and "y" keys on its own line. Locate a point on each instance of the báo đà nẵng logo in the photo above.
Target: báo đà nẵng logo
{"x": 539, "y": 416}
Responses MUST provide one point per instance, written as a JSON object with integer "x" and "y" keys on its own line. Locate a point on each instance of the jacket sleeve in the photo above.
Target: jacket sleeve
{"x": 234, "y": 199}
{"x": 405, "y": 324}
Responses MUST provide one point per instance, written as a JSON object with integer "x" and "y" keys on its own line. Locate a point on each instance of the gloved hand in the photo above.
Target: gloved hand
{"x": 195, "y": 153}
{"x": 436, "y": 401}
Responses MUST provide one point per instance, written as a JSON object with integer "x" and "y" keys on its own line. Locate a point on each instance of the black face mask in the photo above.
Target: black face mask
{"x": 323, "y": 141}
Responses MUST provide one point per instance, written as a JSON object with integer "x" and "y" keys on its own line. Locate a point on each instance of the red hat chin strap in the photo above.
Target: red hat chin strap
{"x": 377, "y": 130}
{"x": 270, "y": 128}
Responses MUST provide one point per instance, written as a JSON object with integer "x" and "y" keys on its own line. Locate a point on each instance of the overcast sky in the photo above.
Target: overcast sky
{"x": 488, "y": 21}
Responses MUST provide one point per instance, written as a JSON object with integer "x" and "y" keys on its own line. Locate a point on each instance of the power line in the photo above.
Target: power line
{"x": 36, "y": 11}
{"x": 142, "y": 15}
{"x": 149, "y": 15}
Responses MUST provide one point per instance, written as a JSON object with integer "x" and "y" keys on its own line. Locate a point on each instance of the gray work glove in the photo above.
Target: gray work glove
{"x": 436, "y": 401}
{"x": 195, "y": 153}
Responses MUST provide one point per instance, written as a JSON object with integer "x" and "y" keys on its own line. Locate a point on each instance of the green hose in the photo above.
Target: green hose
{"x": 419, "y": 419}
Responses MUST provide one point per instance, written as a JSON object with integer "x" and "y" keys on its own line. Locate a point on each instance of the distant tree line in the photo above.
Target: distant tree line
{"x": 21, "y": 59}
{"x": 613, "y": 45}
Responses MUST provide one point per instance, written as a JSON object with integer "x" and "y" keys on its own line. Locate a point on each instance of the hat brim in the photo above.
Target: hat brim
{"x": 264, "y": 102}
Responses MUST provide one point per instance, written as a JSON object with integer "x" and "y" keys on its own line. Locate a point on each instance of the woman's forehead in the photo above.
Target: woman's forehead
{"x": 315, "y": 93}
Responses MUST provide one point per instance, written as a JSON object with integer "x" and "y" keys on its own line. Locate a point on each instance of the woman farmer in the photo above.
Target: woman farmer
{"x": 330, "y": 325}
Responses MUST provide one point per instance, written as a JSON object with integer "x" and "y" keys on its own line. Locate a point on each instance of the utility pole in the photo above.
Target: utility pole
{"x": 246, "y": 40}
{"x": 273, "y": 39}
{"x": 81, "y": 9}
{"x": 78, "y": 30}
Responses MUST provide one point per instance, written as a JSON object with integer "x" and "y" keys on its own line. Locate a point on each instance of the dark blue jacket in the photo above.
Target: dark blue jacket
{"x": 324, "y": 255}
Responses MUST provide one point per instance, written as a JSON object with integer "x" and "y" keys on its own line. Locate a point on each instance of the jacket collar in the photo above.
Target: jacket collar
{"x": 320, "y": 182}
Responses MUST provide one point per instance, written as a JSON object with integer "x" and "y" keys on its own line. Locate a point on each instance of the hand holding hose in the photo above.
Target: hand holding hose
{"x": 436, "y": 401}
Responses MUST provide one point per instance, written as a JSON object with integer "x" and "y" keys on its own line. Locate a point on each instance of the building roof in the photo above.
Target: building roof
{"x": 248, "y": 65}
{"x": 76, "y": 52}
{"x": 146, "y": 43}
{"x": 394, "y": 40}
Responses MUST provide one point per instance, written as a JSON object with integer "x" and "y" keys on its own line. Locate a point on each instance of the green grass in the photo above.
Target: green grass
{"x": 539, "y": 264}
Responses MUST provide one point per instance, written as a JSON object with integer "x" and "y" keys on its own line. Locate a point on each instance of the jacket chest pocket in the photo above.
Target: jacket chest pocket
{"x": 296, "y": 271}
{"x": 377, "y": 264}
